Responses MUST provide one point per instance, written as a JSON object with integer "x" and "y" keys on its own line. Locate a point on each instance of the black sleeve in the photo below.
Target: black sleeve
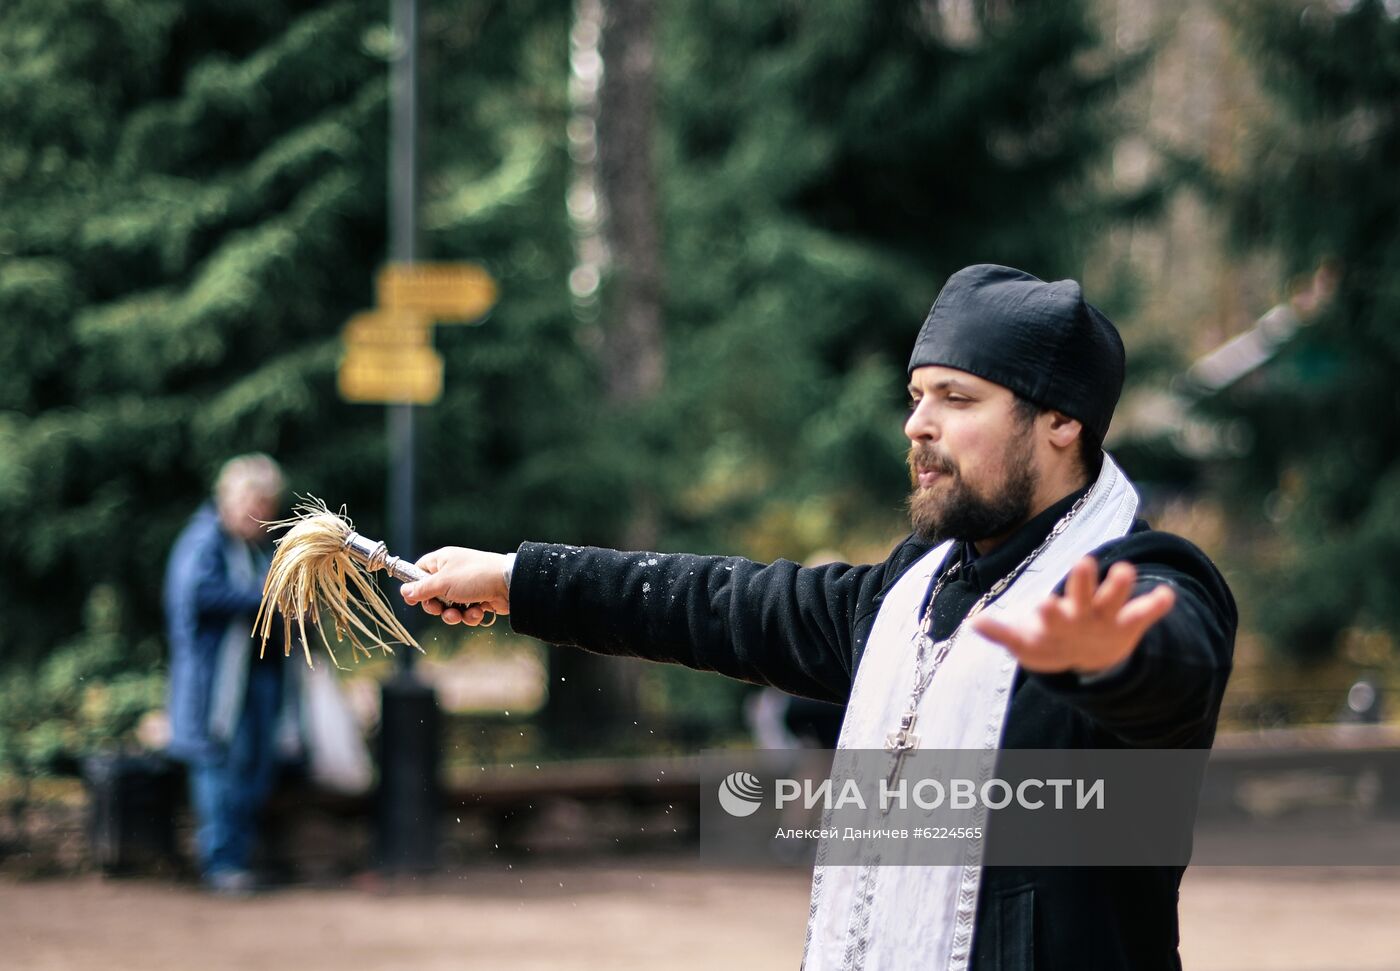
{"x": 1168, "y": 694}
{"x": 779, "y": 624}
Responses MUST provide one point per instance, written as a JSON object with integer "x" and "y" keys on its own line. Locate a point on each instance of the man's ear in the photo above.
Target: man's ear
{"x": 1063, "y": 430}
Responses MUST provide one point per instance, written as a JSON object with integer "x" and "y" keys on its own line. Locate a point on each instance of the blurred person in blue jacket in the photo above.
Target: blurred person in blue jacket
{"x": 232, "y": 710}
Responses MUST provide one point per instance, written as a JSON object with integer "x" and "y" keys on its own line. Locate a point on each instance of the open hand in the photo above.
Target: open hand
{"x": 460, "y": 576}
{"x": 1088, "y": 630}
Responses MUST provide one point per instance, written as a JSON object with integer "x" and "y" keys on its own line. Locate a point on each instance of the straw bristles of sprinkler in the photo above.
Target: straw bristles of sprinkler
{"x": 313, "y": 576}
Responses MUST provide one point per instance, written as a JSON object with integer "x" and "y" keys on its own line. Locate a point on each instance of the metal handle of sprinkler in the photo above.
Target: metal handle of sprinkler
{"x": 375, "y": 555}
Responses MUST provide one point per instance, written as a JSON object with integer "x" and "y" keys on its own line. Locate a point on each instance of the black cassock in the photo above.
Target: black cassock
{"x": 803, "y": 629}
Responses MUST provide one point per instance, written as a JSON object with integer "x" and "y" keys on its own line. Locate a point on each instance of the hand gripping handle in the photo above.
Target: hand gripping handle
{"x": 376, "y": 556}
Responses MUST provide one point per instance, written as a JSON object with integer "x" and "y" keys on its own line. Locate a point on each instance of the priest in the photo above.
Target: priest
{"x": 1029, "y": 607}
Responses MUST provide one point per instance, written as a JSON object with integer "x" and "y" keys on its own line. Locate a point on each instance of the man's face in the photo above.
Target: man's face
{"x": 244, "y": 512}
{"x": 972, "y": 459}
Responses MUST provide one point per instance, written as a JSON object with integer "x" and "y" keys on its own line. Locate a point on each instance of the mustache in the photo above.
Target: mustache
{"x": 925, "y": 458}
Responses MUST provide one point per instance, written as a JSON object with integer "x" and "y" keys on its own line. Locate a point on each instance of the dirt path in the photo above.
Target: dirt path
{"x": 619, "y": 916}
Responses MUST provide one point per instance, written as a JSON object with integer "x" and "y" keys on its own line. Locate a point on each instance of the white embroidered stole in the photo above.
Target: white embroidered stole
{"x": 885, "y": 916}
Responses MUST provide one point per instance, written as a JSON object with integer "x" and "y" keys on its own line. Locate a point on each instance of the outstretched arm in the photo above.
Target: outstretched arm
{"x": 781, "y": 624}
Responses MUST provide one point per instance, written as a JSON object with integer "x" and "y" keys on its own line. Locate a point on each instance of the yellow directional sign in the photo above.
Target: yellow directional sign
{"x": 391, "y": 328}
{"x": 389, "y": 360}
{"x": 410, "y": 376}
{"x": 389, "y": 357}
{"x": 442, "y": 291}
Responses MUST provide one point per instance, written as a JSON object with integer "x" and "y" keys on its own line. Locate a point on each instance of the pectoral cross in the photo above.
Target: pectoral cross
{"x": 900, "y": 744}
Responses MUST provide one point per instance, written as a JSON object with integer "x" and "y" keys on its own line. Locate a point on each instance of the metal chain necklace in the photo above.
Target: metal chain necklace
{"x": 902, "y": 742}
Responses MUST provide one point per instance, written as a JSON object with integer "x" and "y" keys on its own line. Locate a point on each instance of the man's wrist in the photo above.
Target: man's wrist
{"x": 508, "y": 568}
{"x": 1089, "y": 677}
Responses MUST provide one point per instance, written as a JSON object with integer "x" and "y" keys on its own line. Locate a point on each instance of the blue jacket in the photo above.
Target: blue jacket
{"x": 201, "y": 603}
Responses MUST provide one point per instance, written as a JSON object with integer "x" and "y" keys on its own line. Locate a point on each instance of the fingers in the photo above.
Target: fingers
{"x": 421, "y": 591}
{"x": 462, "y": 585}
{"x": 472, "y": 616}
{"x": 1054, "y": 611}
{"x": 1004, "y": 634}
{"x": 1061, "y": 635}
{"x": 1146, "y": 610}
{"x": 1079, "y": 598}
{"x": 1079, "y": 588}
{"x": 1117, "y": 586}
{"x": 434, "y": 584}
{"x": 1031, "y": 649}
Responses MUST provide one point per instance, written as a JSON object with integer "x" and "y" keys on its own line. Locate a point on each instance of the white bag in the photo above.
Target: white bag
{"x": 337, "y": 757}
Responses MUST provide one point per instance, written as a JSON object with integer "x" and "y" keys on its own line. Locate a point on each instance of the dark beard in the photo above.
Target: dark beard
{"x": 953, "y": 511}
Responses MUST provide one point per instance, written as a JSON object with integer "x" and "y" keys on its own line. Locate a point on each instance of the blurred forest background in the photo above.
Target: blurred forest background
{"x": 752, "y": 206}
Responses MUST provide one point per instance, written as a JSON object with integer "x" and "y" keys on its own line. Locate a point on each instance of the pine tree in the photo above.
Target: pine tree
{"x": 193, "y": 203}
{"x": 827, "y": 167}
{"x": 1321, "y": 190}
{"x": 184, "y": 188}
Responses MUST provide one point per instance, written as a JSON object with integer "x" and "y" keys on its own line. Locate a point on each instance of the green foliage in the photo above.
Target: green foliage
{"x": 192, "y": 204}
{"x": 183, "y": 188}
{"x": 516, "y": 448}
{"x": 84, "y": 695}
{"x": 1321, "y": 188}
{"x": 826, "y": 167}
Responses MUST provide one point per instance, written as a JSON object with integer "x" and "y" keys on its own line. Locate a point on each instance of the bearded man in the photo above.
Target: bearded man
{"x": 1029, "y": 609}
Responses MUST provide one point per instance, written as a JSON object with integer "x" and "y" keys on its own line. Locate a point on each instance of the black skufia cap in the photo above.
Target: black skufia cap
{"x": 1042, "y": 340}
